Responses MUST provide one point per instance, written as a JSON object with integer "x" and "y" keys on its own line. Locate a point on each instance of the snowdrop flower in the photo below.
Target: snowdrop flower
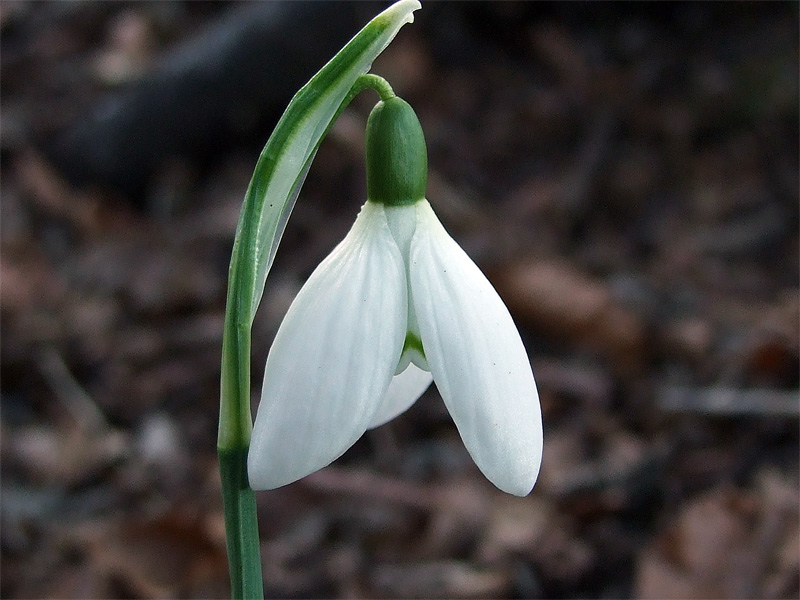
{"x": 396, "y": 305}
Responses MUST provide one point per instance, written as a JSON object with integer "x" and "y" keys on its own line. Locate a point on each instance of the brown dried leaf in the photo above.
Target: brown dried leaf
{"x": 727, "y": 544}
{"x": 170, "y": 556}
{"x": 558, "y": 300}
{"x": 445, "y": 579}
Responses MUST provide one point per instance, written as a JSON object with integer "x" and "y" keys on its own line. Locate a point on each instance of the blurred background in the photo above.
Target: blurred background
{"x": 626, "y": 175}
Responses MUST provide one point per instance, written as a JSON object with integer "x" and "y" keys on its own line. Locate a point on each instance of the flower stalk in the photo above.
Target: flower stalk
{"x": 279, "y": 174}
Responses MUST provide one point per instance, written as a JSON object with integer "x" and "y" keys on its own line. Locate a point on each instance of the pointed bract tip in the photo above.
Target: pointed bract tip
{"x": 403, "y": 6}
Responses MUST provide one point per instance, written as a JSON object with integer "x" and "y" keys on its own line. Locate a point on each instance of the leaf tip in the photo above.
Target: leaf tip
{"x": 404, "y": 8}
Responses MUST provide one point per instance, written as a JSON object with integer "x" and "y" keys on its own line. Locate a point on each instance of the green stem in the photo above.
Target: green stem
{"x": 241, "y": 525}
{"x": 238, "y": 499}
{"x": 372, "y": 81}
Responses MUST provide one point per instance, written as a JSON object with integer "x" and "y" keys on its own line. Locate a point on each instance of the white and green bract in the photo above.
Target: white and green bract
{"x": 346, "y": 357}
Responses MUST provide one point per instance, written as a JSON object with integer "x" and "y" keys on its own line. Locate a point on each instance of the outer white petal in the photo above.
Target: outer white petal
{"x": 477, "y": 358}
{"x": 333, "y": 357}
{"x": 404, "y": 390}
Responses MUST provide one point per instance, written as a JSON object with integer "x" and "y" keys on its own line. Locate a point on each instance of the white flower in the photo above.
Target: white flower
{"x": 396, "y": 305}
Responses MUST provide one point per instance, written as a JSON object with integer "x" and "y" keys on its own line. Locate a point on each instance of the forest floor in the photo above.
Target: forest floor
{"x": 627, "y": 177}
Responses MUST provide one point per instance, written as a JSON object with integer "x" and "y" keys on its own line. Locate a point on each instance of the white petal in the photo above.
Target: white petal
{"x": 333, "y": 357}
{"x": 477, "y": 358}
{"x": 404, "y": 390}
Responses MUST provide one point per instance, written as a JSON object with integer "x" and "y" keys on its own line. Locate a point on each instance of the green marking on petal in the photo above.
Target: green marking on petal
{"x": 412, "y": 342}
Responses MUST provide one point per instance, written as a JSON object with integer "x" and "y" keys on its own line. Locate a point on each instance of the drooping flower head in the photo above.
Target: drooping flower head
{"x": 396, "y": 305}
